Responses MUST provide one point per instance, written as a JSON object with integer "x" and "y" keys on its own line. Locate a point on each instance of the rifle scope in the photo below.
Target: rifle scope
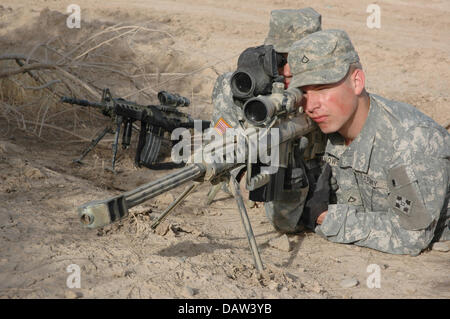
{"x": 260, "y": 110}
{"x": 242, "y": 84}
{"x": 169, "y": 99}
{"x": 257, "y": 70}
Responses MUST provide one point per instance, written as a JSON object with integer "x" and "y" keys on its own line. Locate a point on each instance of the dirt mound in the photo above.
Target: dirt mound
{"x": 147, "y": 51}
{"x": 135, "y": 58}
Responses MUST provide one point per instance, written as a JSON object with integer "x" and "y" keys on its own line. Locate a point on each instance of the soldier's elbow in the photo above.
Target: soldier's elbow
{"x": 414, "y": 246}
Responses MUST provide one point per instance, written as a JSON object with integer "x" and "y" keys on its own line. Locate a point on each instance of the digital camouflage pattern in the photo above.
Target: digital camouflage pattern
{"x": 224, "y": 106}
{"x": 285, "y": 216}
{"x": 290, "y": 25}
{"x": 393, "y": 181}
{"x": 321, "y": 58}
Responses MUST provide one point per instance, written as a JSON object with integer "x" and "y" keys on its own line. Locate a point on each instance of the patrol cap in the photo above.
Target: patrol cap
{"x": 289, "y": 25}
{"x": 323, "y": 57}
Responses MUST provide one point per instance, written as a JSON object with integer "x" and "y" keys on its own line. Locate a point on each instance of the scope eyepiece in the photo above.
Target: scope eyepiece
{"x": 169, "y": 99}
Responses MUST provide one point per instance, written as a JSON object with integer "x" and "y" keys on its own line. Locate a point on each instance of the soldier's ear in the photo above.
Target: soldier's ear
{"x": 358, "y": 79}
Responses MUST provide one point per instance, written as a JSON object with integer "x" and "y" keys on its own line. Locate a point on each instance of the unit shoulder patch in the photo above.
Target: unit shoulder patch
{"x": 405, "y": 198}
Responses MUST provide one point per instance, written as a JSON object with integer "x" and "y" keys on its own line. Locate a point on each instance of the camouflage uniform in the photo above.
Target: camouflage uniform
{"x": 393, "y": 178}
{"x": 225, "y": 112}
{"x": 286, "y": 27}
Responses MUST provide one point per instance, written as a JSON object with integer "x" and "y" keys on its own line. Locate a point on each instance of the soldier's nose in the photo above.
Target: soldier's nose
{"x": 311, "y": 103}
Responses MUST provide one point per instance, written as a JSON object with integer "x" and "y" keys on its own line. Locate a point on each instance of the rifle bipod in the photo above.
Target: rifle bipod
{"x": 212, "y": 193}
{"x": 97, "y": 140}
{"x": 94, "y": 142}
{"x": 242, "y": 212}
{"x": 174, "y": 204}
{"x": 245, "y": 220}
{"x": 108, "y": 129}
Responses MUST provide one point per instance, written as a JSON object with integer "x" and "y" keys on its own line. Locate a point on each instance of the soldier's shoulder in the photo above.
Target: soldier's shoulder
{"x": 225, "y": 76}
{"x": 413, "y": 126}
{"x": 224, "y": 105}
{"x": 405, "y": 115}
{"x": 222, "y": 86}
{"x": 223, "y": 79}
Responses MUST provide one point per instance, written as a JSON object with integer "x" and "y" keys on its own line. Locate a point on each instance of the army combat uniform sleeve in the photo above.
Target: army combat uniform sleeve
{"x": 391, "y": 195}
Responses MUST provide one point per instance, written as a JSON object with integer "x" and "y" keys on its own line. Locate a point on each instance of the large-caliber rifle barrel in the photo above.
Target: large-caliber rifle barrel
{"x": 162, "y": 185}
{"x": 100, "y": 213}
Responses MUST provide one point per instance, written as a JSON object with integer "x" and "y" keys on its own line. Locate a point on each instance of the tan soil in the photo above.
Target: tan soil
{"x": 201, "y": 252}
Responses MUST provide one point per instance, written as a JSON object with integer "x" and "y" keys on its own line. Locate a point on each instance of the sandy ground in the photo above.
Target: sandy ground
{"x": 201, "y": 252}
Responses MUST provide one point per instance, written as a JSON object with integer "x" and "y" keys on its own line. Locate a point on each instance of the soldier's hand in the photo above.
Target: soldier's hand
{"x": 321, "y": 218}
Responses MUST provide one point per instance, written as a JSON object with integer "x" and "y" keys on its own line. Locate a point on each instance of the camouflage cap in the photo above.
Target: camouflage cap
{"x": 323, "y": 57}
{"x": 289, "y": 25}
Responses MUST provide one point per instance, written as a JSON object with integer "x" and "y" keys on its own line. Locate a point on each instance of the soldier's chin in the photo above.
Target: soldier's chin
{"x": 326, "y": 128}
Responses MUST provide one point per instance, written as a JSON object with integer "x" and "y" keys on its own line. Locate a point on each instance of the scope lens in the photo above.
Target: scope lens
{"x": 255, "y": 111}
{"x": 242, "y": 82}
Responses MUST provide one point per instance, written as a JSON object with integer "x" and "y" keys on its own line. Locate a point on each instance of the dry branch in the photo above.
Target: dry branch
{"x": 59, "y": 69}
{"x": 59, "y": 129}
{"x": 80, "y": 82}
{"x": 26, "y": 68}
{"x": 43, "y": 86}
{"x": 14, "y": 56}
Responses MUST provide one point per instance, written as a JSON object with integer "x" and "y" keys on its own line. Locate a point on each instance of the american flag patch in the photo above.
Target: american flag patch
{"x": 221, "y": 126}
